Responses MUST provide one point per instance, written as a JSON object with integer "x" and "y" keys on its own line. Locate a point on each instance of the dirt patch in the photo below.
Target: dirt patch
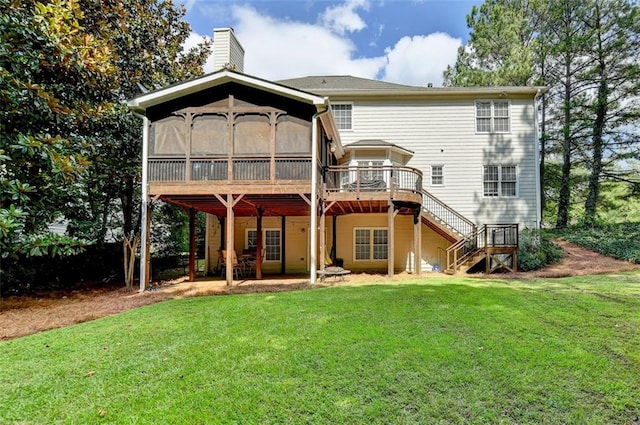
{"x": 26, "y": 315}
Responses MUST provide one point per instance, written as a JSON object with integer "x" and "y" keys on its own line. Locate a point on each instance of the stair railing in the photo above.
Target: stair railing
{"x": 465, "y": 248}
{"x": 487, "y": 236}
{"x": 447, "y": 215}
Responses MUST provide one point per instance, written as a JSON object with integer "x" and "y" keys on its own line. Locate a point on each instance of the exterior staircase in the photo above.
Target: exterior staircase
{"x": 496, "y": 245}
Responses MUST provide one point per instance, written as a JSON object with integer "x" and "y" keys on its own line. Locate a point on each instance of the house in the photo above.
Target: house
{"x": 376, "y": 176}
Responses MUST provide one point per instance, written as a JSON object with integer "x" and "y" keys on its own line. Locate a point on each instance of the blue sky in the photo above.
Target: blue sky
{"x": 402, "y": 41}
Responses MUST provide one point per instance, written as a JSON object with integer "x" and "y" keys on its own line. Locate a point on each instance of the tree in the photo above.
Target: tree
{"x": 501, "y": 46}
{"x": 614, "y": 107}
{"x": 148, "y": 40}
{"x": 54, "y": 82}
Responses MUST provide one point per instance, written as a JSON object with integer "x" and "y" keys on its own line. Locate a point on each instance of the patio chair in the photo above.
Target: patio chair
{"x": 237, "y": 270}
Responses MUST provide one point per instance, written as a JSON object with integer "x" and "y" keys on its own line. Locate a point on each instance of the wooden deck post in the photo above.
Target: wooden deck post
{"x": 192, "y": 244}
{"x": 145, "y": 248}
{"x": 417, "y": 243}
{"x": 259, "y": 244}
{"x": 390, "y": 240}
{"x": 323, "y": 239}
{"x": 230, "y": 240}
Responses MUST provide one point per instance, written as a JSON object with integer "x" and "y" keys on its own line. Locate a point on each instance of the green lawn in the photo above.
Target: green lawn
{"x": 430, "y": 351}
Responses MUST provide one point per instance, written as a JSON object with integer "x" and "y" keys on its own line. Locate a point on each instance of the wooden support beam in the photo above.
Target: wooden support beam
{"x": 259, "y": 244}
{"x": 230, "y": 240}
{"x": 417, "y": 242}
{"x": 323, "y": 248}
{"x": 390, "y": 240}
{"x": 283, "y": 244}
{"x": 192, "y": 244}
{"x": 146, "y": 279}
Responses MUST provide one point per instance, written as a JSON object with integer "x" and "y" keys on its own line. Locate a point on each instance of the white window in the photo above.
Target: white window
{"x": 342, "y": 113}
{"x": 270, "y": 241}
{"x": 437, "y": 175}
{"x": 370, "y": 244}
{"x": 500, "y": 181}
{"x": 492, "y": 116}
{"x": 371, "y": 170}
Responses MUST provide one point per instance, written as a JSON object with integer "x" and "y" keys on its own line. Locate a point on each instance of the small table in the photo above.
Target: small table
{"x": 338, "y": 272}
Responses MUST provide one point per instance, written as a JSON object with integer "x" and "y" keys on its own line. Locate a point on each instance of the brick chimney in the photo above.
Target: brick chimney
{"x": 227, "y": 51}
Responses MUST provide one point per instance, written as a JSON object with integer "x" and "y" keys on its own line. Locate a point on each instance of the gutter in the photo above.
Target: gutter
{"x": 314, "y": 193}
{"x": 539, "y": 93}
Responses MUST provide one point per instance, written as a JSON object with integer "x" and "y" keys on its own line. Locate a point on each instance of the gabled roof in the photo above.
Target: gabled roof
{"x": 346, "y": 85}
{"x": 143, "y": 101}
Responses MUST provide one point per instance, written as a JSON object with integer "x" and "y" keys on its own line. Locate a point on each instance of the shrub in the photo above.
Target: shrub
{"x": 536, "y": 250}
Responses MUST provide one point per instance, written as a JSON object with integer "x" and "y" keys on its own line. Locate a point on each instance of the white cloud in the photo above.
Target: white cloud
{"x": 193, "y": 40}
{"x": 278, "y": 49}
{"x": 420, "y": 59}
{"x": 344, "y": 18}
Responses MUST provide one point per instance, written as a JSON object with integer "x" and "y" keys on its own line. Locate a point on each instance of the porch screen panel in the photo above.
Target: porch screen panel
{"x": 293, "y": 136}
{"x": 209, "y": 135}
{"x": 251, "y": 135}
{"x": 168, "y": 137}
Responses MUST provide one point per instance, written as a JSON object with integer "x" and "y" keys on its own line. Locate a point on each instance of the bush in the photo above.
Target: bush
{"x": 536, "y": 250}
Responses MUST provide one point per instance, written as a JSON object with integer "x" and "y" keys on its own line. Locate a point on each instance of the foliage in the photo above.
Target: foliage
{"x": 501, "y": 47}
{"x": 54, "y": 83}
{"x": 621, "y": 241}
{"x": 32, "y": 274}
{"x": 148, "y": 41}
{"x": 70, "y": 150}
{"x": 536, "y": 250}
{"x": 431, "y": 351}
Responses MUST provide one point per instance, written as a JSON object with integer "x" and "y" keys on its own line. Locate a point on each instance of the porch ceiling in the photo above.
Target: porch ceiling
{"x": 368, "y": 206}
{"x": 247, "y": 206}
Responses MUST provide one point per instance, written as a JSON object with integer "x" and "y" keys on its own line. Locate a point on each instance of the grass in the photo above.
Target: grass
{"x": 431, "y": 351}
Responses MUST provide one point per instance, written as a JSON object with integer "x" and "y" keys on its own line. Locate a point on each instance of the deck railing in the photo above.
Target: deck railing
{"x": 446, "y": 215}
{"x": 373, "y": 179}
{"x": 217, "y": 169}
{"x": 487, "y": 236}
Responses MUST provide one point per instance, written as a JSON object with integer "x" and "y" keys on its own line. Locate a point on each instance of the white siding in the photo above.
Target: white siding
{"x": 442, "y": 132}
{"x": 227, "y": 50}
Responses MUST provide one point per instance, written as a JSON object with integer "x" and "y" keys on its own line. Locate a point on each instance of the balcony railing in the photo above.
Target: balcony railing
{"x": 217, "y": 169}
{"x": 373, "y": 179}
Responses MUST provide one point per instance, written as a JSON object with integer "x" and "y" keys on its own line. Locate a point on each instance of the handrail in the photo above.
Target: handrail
{"x": 487, "y": 236}
{"x": 465, "y": 248}
{"x": 447, "y": 215}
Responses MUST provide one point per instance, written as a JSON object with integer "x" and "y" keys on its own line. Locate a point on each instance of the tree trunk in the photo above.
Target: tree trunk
{"x": 598, "y": 130}
{"x": 565, "y": 183}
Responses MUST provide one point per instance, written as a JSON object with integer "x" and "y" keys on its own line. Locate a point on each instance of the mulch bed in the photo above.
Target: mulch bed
{"x": 24, "y": 315}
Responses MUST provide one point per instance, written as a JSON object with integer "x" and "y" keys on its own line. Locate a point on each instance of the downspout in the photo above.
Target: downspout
{"x": 314, "y": 195}
{"x": 144, "y": 204}
{"x": 537, "y": 159}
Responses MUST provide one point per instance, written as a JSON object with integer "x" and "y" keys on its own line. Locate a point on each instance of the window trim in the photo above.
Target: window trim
{"x": 492, "y": 117}
{"x": 334, "y": 117}
{"x": 371, "y": 244}
{"x": 441, "y": 175}
{"x": 501, "y": 181}
{"x": 264, "y": 231}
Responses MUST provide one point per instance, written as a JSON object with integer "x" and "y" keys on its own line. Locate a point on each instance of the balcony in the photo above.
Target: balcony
{"x": 373, "y": 183}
